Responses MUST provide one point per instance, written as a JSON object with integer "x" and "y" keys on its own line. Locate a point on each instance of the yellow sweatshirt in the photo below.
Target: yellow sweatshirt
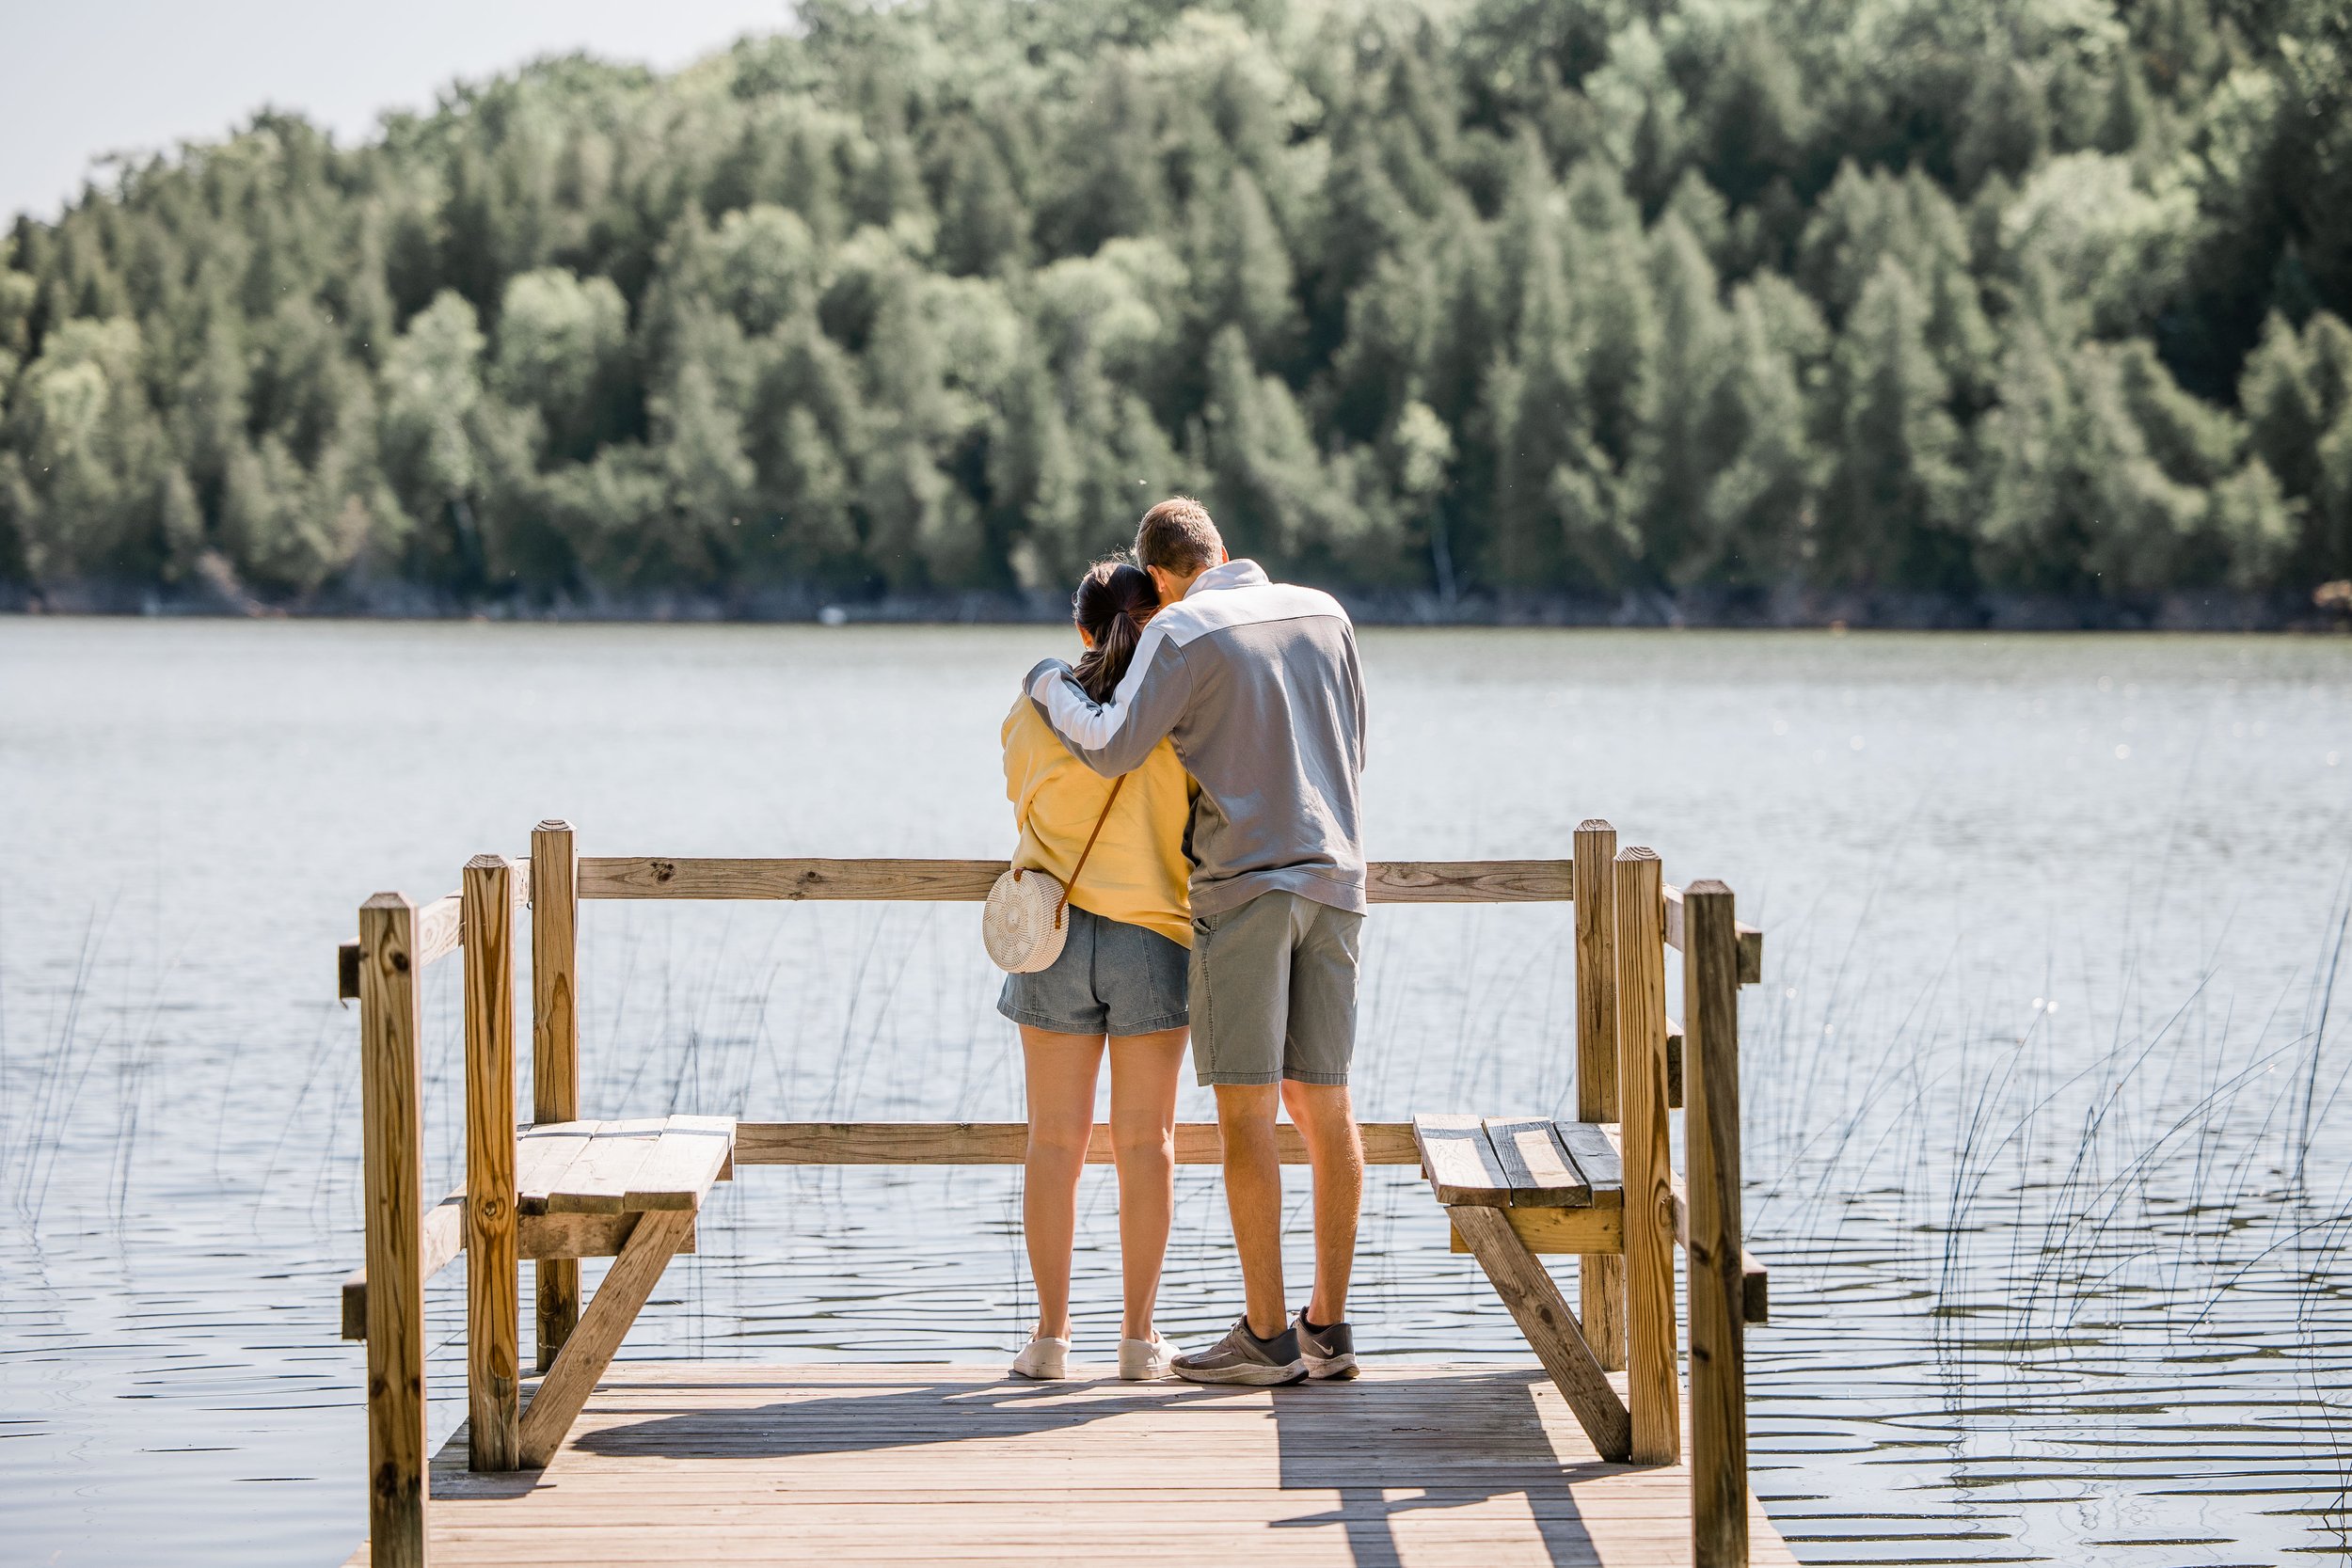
{"x": 1137, "y": 871}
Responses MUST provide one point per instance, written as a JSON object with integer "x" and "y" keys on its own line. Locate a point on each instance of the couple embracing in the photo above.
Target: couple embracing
{"x": 1192, "y": 782}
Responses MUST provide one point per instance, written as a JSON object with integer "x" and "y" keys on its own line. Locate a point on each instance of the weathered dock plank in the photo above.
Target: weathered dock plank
{"x": 1454, "y": 1468}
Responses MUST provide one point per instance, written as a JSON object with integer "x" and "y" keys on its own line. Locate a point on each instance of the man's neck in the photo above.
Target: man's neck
{"x": 1172, "y": 587}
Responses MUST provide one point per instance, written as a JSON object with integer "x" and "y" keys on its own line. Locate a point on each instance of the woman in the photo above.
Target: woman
{"x": 1121, "y": 979}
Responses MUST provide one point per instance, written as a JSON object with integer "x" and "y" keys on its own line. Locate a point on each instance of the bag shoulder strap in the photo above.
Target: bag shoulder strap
{"x": 1079, "y": 869}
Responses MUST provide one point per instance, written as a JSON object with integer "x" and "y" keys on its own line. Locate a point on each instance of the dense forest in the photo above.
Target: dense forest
{"x": 1839, "y": 304}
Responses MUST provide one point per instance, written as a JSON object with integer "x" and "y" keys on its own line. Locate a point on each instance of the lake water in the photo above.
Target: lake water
{"x": 2046, "y": 1141}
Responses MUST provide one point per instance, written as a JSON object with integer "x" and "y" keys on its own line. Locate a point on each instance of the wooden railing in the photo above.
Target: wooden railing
{"x": 1631, "y": 1066}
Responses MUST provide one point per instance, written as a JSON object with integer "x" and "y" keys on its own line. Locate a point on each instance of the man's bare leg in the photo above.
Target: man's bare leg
{"x": 1253, "y": 1196}
{"x": 1326, "y": 1115}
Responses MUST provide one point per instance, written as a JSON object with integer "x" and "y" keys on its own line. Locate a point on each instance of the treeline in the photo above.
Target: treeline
{"x": 1872, "y": 297}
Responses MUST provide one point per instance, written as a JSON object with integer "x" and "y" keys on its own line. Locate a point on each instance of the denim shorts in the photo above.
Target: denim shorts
{"x": 1112, "y": 978}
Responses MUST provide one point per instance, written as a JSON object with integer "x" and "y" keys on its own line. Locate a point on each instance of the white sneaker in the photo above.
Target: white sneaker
{"x": 1145, "y": 1360}
{"x": 1044, "y": 1359}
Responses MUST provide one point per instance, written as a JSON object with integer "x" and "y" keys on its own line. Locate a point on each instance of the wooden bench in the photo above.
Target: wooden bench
{"x": 1487, "y": 1171}
{"x": 1602, "y": 1186}
{"x": 1517, "y": 1186}
{"x": 655, "y": 1164}
{"x": 656, "y": 1170}
{"x": 629, "y": 1190}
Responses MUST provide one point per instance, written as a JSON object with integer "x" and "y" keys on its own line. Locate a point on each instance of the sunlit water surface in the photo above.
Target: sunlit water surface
{"x": 2046, "y": 1147}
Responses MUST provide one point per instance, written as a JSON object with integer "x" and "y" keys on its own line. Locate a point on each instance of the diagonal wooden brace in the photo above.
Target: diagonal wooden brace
{"x": 589, "y": 1351}
{"x": 1550, "y": 1329}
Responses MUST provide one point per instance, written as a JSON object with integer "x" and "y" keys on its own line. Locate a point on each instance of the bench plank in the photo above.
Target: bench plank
{"x": 686, "y": 1159}
{"x": 1582, "y": 1231}
{"x": 1540, "y": 1173}
{"x": 1596, "y": 1157}
{"x": 1459, "y": 1161}
{"x": 598, "y": 1181}
{"x": 541, "y": 1237}
{"x": 542, "y": 1156}
{"x": 556, "y": 1236}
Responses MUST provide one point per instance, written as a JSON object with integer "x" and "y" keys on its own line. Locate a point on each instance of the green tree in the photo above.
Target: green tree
{"x": 1245, "y": 272}
{"x": 1266, "y": 480}
{"x": 91, "y": 458}
{"x": 2298, "y": 395}
{"x": 1755, "y": 125}
{"x": 1760, "y": 504}
{"x": 2006, "y": 120}
{"x": 982, "y": 227}
{"x": 563, "y": 352}
{"x": 1890, "y": 516}
{"x": 767, "y": 266}
{"x": 1685, "y": 429}
{"x": 436, "y": 440}
{"x": 1557, "y": 513}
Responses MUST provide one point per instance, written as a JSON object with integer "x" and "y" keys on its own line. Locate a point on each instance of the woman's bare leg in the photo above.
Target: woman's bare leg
{"x": 1061, "y": 1074}
{"x": 1143, "y": 1141}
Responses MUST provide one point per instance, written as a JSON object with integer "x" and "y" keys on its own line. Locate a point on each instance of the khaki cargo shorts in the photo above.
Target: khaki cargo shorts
{"x": 1274, "y": 991}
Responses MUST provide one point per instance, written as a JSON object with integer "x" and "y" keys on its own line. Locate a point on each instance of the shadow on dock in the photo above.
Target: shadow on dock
{"x": 1478, "y": 1467}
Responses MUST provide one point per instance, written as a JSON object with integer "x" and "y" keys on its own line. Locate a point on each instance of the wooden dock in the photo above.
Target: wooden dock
{"x": 679, "y": 1464}
{"x": 1583, "y": 1461}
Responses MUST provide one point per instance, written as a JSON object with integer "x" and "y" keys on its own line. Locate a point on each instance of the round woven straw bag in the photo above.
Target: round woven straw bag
{"x": 1025, "y": 921}
{"x": 1022, "y": 924}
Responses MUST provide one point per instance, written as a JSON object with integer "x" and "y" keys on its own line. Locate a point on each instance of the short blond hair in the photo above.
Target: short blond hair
{"x": 1177, "y": 536}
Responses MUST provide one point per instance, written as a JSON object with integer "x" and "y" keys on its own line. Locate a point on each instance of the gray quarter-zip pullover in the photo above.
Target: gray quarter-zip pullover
{"x": 1258, "y": 685}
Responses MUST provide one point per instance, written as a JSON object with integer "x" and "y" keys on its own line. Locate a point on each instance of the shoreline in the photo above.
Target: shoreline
{"x": 1792, "y": 609}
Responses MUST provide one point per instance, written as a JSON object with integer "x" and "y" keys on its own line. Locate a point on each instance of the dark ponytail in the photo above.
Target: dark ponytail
{"x": 1113, "y": 602}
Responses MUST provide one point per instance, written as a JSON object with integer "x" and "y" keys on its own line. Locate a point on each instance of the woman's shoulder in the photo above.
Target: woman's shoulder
{"x": 1026, "y": 733}
{"x": 1024, "y": 720}
{"x": 1033, "y": 751}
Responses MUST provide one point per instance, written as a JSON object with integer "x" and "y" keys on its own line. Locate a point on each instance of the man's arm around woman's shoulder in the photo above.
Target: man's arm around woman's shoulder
{"x": 1114, "y": 738}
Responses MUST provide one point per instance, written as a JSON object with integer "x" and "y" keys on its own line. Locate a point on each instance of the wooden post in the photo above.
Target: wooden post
{"x": 392, "y": 1018}
{"x": 1600, "y": 1276}
{"x": 1719, "y": 1418}
{"x": 555, "y": 1043}
{"x": 1653, "y": 1388}
{"x": 493, "y": 1357}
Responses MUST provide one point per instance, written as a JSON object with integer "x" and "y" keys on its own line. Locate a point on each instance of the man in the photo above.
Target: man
{"x": 1258, "y": 685}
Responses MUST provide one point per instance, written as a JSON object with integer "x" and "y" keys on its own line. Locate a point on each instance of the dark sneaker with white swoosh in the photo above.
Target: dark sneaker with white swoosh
{"x": 1241, "y": 1356}
{"x": 1329, "y": 1352}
